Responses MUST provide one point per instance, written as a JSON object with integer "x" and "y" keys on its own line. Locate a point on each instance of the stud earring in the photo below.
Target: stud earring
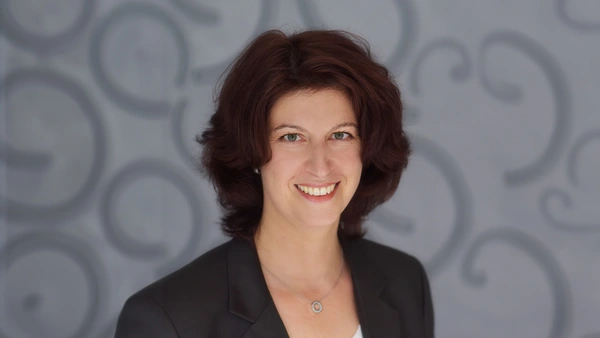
{"x": 256, "y": 171}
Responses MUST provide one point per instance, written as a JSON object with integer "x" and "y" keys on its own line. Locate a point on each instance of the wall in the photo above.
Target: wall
{"x": 101, "y": 100}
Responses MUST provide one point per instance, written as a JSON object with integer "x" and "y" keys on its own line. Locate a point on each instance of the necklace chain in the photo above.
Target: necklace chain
{"x": 316, "y": 305}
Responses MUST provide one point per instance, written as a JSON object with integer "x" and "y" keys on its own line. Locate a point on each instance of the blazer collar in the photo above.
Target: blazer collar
{"x": 377, "y": 318}
{"x": 249, "y": 296}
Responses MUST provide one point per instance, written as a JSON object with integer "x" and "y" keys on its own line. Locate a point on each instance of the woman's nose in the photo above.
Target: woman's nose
{"x": 319, "y": 160}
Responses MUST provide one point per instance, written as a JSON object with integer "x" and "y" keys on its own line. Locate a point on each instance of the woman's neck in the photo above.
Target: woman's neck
{"x": 309, "y": 257}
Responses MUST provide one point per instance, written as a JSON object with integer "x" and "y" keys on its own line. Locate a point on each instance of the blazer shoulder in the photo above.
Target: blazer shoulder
{"x": 393, "y": 262}
{"x": 171, "y": 306}
{"x": 206, "y": 274}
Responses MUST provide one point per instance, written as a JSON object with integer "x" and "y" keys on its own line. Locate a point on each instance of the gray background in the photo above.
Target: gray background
{"x": 100, "y": 101}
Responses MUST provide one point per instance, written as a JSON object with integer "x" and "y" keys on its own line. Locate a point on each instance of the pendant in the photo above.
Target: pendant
{"x": 316, "y": 306}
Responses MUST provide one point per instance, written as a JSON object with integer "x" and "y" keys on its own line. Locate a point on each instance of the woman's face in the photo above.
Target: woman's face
{"x": 315, "y": 166}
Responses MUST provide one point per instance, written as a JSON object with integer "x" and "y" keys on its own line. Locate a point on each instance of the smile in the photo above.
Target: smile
{"x": 317, "y": 191}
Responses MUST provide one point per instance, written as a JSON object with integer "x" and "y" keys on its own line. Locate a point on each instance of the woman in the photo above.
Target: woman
{"x": 306, "y": 140}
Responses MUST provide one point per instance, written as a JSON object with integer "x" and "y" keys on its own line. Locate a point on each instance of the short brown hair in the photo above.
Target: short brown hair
{"x": 273, "y": 65}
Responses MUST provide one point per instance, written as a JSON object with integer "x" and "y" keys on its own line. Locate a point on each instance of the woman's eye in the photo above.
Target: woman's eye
{"x": 290, "y": 137}
{"x": 341, "y": 135}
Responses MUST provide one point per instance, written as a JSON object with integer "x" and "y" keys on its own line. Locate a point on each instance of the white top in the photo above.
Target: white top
{"x": 358, "y": 333}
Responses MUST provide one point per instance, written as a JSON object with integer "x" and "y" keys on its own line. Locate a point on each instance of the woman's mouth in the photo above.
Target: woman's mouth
{"x": 320, "y": 192}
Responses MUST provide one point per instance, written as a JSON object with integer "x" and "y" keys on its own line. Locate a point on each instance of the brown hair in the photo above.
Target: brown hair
{"x": 274, "y": 65}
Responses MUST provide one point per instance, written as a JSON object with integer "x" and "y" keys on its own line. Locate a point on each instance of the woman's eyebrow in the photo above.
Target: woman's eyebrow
{"x": 345, "y": 124}
{"x": 293, "y": 126}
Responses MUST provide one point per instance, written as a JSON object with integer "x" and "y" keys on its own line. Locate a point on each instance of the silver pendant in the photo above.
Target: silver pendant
{"x": 316, "y": 306}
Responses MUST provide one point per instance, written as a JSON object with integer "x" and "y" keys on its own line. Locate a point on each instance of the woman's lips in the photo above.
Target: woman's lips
{"x": 318, "y": 193}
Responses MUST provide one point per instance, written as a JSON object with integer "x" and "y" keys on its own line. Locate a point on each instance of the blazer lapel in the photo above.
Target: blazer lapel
{"x": 377, "y": 318}
{"x": 249, "y": 297}
{"x": 268, "y": 324}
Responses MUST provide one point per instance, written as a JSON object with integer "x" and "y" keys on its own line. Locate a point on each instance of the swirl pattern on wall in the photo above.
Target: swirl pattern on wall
{"x": 459, "y": 73}
{"x": 130, "y": 245}
{"x": 538, "y": 252}
{"x": 408, "y": 22}
{"x": 566, "y": 202}
{"x": 562, "y": 196}
{"x": 210, "y": 73}
{"x": 388, "y": 218}
{"x": 43, "y": 43}
{"x": 198, "y": 12}
{"x": 75, "y": 91}
{"x": 510, "y": 92}
{"x": 120, "y": 94}
{"x": 32, "y": 309}
{"x": 563, "y": 14}
{"x": 574, "y": 155}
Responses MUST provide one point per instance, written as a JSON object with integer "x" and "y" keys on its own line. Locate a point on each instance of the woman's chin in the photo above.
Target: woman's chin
{"x": 321, "y": 223}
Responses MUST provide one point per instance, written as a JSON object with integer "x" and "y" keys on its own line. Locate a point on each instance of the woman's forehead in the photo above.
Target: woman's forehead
{"x": 326, "y": 106}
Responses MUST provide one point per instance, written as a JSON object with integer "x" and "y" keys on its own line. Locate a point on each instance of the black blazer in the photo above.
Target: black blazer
{"x": 223, "y": 294}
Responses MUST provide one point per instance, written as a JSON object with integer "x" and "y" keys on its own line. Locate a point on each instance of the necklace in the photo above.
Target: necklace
{"x": 315, "y": 305}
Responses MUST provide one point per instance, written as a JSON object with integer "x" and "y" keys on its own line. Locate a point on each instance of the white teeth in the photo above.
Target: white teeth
{"x": 317, "y": 191}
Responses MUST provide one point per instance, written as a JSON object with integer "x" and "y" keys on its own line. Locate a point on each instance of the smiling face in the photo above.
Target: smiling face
{"x": 315, "y": 166}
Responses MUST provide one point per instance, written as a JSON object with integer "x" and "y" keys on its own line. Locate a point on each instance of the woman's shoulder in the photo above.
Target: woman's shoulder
{"x": 205, "y": 274}
{"x": 394, "y": 263}
{"x": 174, "y": 303}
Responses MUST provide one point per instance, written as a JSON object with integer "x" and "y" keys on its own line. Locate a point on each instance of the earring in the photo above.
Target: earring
{"x": 256, "y": 171}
